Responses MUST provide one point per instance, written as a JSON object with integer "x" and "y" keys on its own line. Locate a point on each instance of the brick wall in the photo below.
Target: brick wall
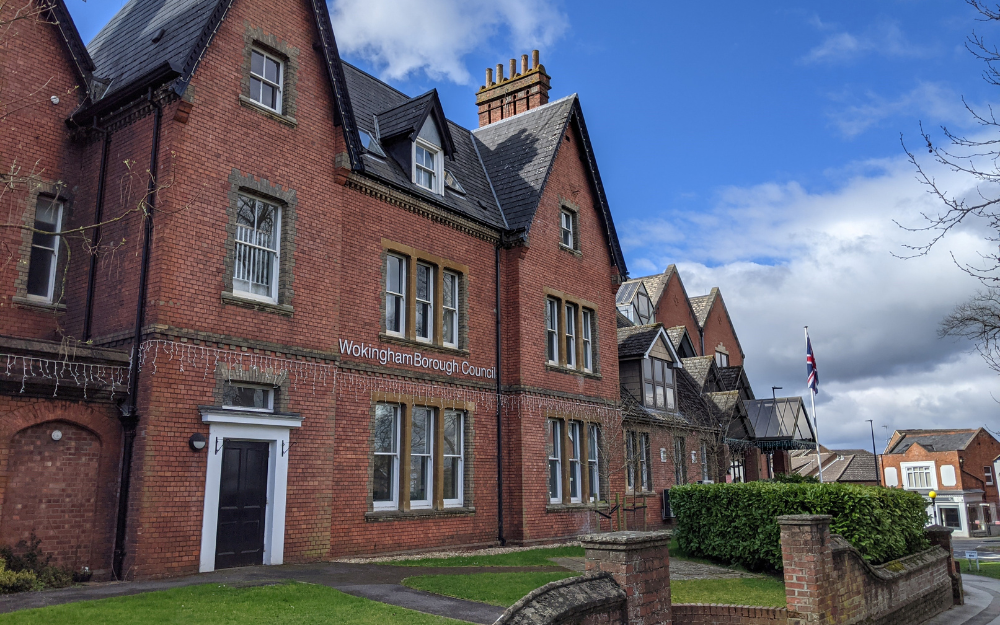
{"x": 673, "y": 309}
{"x": 826, "y": 580}
{"x": 719, "y": 329}
{"x": 705, "y": 614}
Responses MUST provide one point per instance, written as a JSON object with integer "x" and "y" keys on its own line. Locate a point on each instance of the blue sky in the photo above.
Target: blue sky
{"x": 756, "y": 145}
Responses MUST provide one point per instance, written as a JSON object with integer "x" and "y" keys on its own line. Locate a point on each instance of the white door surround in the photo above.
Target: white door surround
{"x": 248, "y": 426}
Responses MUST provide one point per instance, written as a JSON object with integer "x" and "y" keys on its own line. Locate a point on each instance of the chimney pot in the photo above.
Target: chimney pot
{"x": 513, "y": 68}
{"x": 524, "y": 63}
{"x": 499, "y": 72}
{"x": 534, "y": 59}
{"x": 489, "y": 76}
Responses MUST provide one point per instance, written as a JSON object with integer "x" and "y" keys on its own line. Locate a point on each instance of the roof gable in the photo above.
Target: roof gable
{"x": 639, "y": 341}
{"x": 682, "y": 342}
{"x": 702, "y": 307}
{"x": 932, "y": 440}
{"x": 409, "y": 119}
{"x": 63, "y": 21}
{"x": 518, "y": 154}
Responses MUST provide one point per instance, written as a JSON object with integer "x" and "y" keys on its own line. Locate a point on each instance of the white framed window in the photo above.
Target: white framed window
{"x": 257, "y": 253}
{"x": 553, "y": 446}
{"x": 248, "y": 397}
{"x": 552, "y": 330}
{"x": 265, "y": 79}
{"x": 44, "y": 250}
{"x": 704, "y": 462}
{"x": 593, "y": 461}
{"x": 427, "y": 164}
{"x": 571, "y": 336}
{"x": 918, "y": 475}
{"x": 575, "y": 478}
{"x": 638, "y": 477}
{"x": 395, "y": 295}
{"x": 680, "y": 467}
{"x": 566, "y": 221}
{"x": 425, "y": 302}
{"x": 453, "y": 456}
{"x": 587, "y": 338}
{"x": 644, "y": 465}
{"x": 385, "y": 473}
{"x": 721, "y": 359}
{"x": 422, "y": 458}
{"x": 988, "y": 473}
{"x": 449, "y": 313}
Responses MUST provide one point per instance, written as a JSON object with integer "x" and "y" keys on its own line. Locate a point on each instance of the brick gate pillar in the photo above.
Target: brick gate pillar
{"x": 941, "y": 536}
{"x": 640, "y": 564}
{"x": 807, "y": 555}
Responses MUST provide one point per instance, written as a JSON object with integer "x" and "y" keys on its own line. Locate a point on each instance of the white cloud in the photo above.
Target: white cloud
{"x": 401, "y": 37}
{"x": 884, "y": 38}
{"x": 786, "y": 257}
{"x": 933, "y": 100}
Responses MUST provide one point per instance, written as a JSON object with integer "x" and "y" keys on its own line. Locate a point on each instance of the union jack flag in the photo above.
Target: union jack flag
{"x": 812, "y": 379}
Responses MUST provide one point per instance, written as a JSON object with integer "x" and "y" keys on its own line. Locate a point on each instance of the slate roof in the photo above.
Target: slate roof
{"x": 370, "y": 97}
{"x": 700, "y": 367}
{"x": 408, "y": 118}
{"x": 123, "y": 50}
{"x": 702, "y": 305}
{"x": 634, "y": 341}
{"x": 839, "y": 465}
{"x": 655, "y": 284}
{"x": 730, "y": 376}
{"x": 933, "y": 440}
{"x": 518, "y": 153}
{"x": 676, "y": 335}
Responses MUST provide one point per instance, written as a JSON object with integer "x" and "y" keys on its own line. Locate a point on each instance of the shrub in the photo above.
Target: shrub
{"x": 27, "y": 556}
{"x": 793, "y": 478}
{"x": 737, "y": 523}
{"x": 17, "y": 581}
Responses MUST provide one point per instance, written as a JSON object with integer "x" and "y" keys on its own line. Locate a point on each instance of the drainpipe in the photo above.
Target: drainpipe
{"x": 500, "y": 537}
{"x": 130, "y": 413}
{"x": 98, "y": 216}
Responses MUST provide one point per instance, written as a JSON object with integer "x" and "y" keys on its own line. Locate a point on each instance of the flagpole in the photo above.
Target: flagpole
{"x": 812, "y": 397}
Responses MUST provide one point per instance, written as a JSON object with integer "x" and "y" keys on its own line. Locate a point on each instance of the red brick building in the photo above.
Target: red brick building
{"x": 265, "y": 308}
{"x": 958, "y": 465}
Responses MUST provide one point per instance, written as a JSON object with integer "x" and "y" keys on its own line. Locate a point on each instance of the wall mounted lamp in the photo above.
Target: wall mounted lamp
{"x": 197, "y": 441}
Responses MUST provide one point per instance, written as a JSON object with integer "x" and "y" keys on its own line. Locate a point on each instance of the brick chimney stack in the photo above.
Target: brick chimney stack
{"x": 506, "y": 97}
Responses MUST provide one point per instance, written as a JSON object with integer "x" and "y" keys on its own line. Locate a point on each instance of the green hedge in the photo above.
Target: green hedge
{"x": 737, "y": 523}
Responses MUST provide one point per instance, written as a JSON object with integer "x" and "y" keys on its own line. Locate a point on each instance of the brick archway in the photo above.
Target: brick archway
{"x": 64, "y": 491}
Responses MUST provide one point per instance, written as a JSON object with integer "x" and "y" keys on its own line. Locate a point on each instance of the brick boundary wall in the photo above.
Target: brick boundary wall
{"x": 827, "y": 581}
{"x": 714, "y": 614}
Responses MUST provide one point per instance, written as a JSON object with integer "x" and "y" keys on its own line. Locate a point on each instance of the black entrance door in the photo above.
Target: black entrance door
{"x": 239, "y": 540}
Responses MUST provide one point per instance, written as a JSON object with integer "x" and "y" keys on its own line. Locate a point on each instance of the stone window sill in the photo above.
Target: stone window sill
{"x": 284, "y": 119}
{"x": 575, "y": 507}
{"x": 420, "y": 345}
{"x": 585, "y": 374}
{"x": 25, "y": 302}
{"x": 409, "y": 515}
{"x": 573, "y": 251}
{"x": 236, "y": 300}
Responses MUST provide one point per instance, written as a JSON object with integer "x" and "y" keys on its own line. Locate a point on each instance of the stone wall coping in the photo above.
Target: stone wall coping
{"x": 938, "y": 529}
{"x": 805, "y": 519}
{"x": 565, "y": 600}
{"x": 625, "y": 541}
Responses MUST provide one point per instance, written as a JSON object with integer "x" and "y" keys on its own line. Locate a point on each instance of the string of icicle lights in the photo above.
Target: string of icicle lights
{"x": 314, "y": 374}
{"x": 63, "y": 373}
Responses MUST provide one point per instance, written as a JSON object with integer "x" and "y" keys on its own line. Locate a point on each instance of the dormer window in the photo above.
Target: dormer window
{"x": 265, "y": 80}
{"x": 657, "y": 384}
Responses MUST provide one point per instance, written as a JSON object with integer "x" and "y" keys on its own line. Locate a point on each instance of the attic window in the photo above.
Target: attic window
{"x": 452, "y": 183}
{"x": 427, "y": 166}
{"x": 370, "y": 144}
{"x": 265, "y": 80}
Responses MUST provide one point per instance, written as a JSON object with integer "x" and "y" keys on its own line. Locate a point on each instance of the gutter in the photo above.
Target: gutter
{"x": 130, "y": 413}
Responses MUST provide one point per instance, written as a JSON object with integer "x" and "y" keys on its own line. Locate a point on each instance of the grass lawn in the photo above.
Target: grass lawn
{"x": 213, "y": 603}
{"x": 760, "y": 591}
{"x": 531, "y": 557}
{"x": 986, "y": 569}
{"x": 502, "y": 589}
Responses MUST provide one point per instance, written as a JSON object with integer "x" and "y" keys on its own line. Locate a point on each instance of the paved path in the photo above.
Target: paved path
{"x": 982, "y": 604}
{"x": 372, "y": 581}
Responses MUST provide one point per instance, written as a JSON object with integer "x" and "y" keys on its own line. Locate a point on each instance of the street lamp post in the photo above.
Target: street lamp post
{"x": 878, "y": 478}
{"x": 933, "y": 496}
